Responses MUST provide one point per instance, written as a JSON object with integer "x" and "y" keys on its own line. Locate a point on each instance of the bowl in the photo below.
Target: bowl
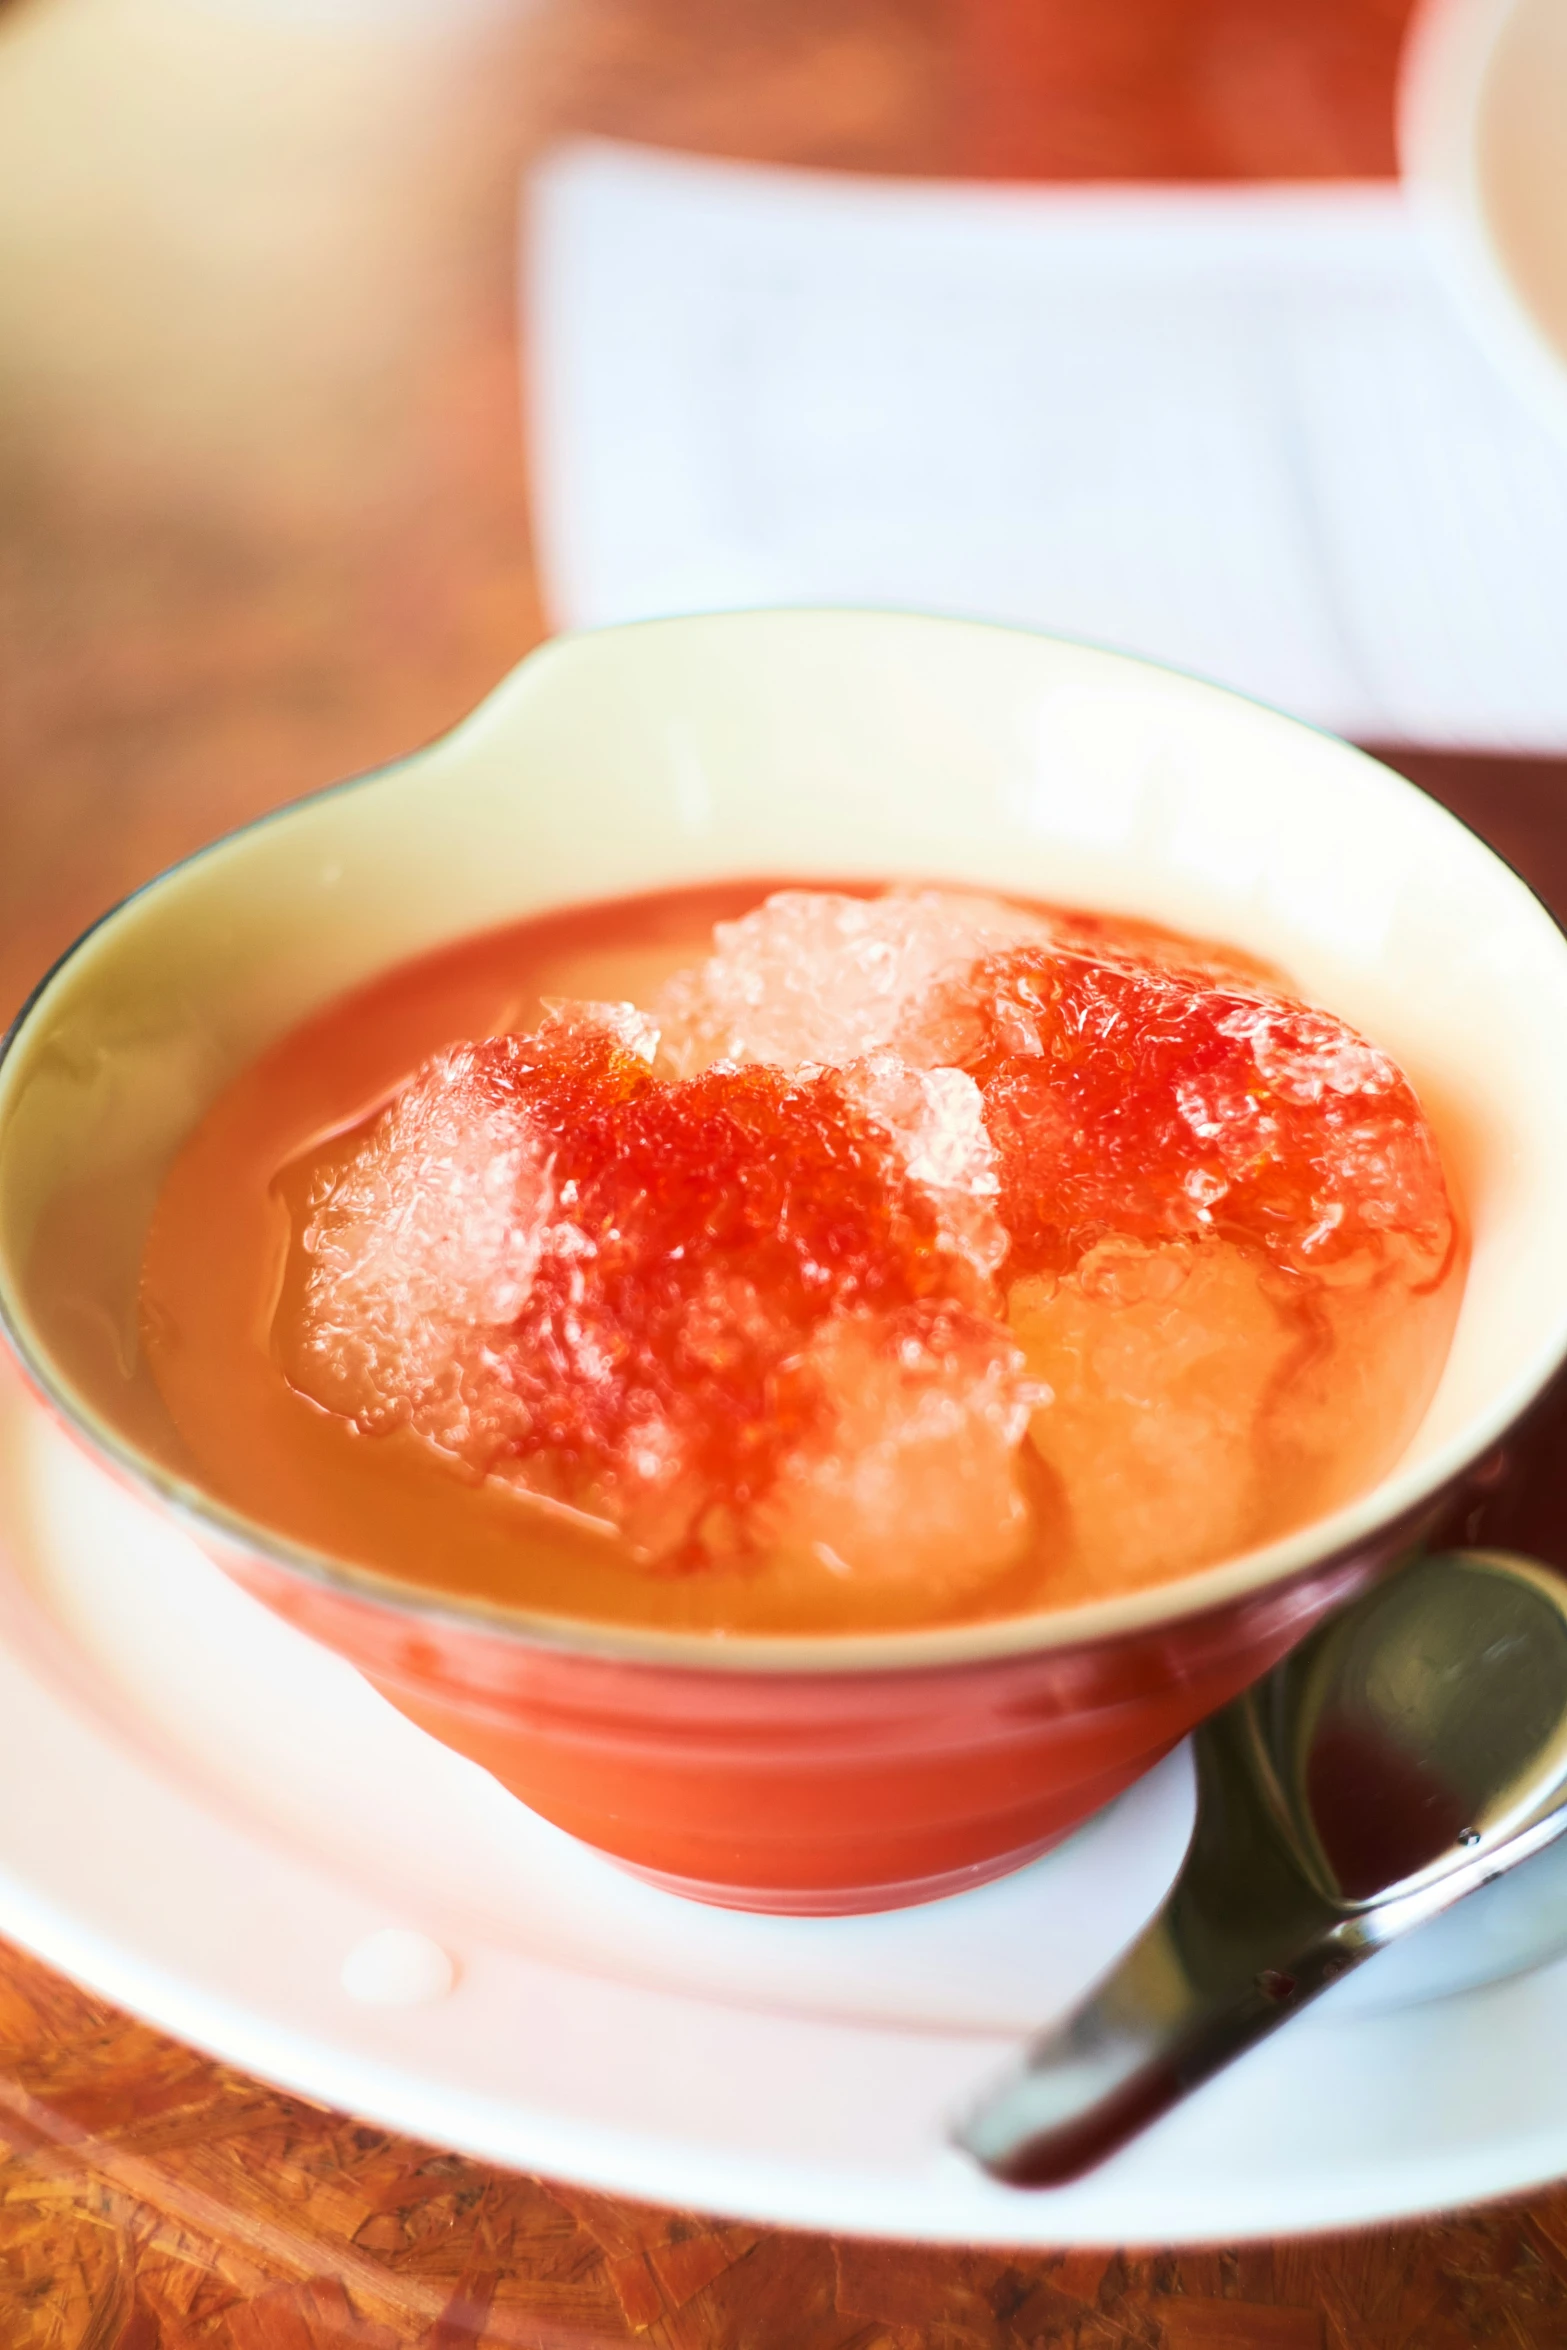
{"x": 1482, "y": 139}
{"x": 859, "y": 1771}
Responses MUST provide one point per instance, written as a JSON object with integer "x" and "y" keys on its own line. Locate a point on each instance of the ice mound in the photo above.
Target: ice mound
{"x": 1161, "y": 1363}
{"x": 1229, "y": 1229}
{"x": 613, "y": 1288}
{"x": 428, "y": 1238}
{"x": 913, "y": 1472}
{"x": 914, "y": 1236}
{"x": 1128, "y": 1096}
{"x": 935, "y": 1119}
{"x": 816, "y": 976}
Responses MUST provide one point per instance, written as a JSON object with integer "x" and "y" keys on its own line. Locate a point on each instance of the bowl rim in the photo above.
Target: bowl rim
{"x": 1391, "y": 1511}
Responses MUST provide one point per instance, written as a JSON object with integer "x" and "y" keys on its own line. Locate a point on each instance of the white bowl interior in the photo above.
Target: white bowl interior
{"x": 830, "y": 744}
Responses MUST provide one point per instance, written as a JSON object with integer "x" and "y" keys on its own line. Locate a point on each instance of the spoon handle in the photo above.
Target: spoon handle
{"x": 1242, "y": 1941}
{"x": 1140, "y": 2043}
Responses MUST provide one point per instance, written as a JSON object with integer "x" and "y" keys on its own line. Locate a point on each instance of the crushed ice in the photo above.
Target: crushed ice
{"x": 1120, "y": 1201}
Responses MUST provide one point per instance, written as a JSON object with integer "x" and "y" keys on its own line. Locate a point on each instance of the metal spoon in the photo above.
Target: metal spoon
{"x": 1413, "y": 1748}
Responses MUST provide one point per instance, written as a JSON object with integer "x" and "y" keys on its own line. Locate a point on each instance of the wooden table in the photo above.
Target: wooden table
{"x": 262, "y": 522}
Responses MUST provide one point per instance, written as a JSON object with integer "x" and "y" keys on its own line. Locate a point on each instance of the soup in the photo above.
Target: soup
{"x": 774, "y": 1259}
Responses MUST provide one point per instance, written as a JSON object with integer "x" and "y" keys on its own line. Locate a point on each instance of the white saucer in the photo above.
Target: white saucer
{"x": 210, "y": 1820}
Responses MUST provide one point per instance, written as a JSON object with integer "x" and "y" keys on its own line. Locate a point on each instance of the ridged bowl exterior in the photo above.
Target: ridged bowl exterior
{"x": 814, "y": 1793}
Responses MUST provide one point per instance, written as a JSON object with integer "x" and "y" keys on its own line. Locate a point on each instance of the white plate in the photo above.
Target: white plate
{"x": 204, "y": 1817}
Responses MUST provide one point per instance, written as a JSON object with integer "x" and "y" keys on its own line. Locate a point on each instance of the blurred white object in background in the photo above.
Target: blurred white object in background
{"x": 1238, "y": 429}
{"x": 1482, "y": 133}
{"x": 233, "y": 233}
{"x": 361, "y": 16}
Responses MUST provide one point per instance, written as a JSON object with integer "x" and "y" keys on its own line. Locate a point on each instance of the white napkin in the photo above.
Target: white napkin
{"x": 1237, "y": 429}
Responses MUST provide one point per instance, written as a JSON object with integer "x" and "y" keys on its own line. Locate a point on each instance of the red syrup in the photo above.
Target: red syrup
{"x": 1098, "y": 1258}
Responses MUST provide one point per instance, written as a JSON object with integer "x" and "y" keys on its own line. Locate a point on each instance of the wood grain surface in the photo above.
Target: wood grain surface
{"x": 263, "y": 522}
{"x": 154, "y": 2201}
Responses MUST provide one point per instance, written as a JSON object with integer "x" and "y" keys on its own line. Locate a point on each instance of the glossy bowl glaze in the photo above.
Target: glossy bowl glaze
{"x": 856, "y": 1771}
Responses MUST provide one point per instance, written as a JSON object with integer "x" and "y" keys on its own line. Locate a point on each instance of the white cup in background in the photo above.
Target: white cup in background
{"x": 1482, "y": 132}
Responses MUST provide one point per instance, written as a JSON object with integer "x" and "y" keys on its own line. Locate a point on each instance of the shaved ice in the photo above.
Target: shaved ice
{"x": 813, "y": 975}
{"x": 904, "y": 1240}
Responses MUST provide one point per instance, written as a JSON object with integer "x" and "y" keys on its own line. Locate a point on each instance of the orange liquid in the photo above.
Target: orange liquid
{"x": 222, "y": 1272}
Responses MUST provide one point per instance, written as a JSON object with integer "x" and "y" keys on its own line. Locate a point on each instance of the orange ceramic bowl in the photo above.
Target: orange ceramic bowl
{"x": 856, "y": 1771}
